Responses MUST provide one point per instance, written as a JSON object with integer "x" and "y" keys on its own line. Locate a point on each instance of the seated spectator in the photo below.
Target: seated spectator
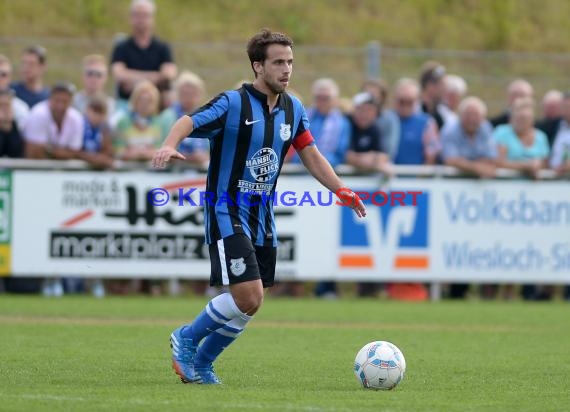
{"x": 190, "y": 92}
{"x": 94, "y": 79}
{"x": 142, "y": 56}
{"x": 560, "y": 157}
{"x": 551, "y": 114}
{"x": 432, "y": 88}
{"x": 419, "y": 141}
{"x": 329, "y": 126}
{"x": 468, "y": 144}
{"x": 20, "y": 109}
{"x": 97, "y": 147}
{"x": 520, "y": 145}
{"x": 11, "y": 142}
{"x": 366, "y": 150}
{"x": 140, "y": 131}
{"x": 31, "y": 89}
{"x": 388, "y": 121}
{"x": 454, "y": 90}
{"x": 54, "y": 129}
{"x": 517, "y": 89}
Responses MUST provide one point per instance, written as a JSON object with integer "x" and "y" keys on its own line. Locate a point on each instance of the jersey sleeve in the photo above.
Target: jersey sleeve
{"x": 210, "y": 118}
{"x": 303, "y": 136}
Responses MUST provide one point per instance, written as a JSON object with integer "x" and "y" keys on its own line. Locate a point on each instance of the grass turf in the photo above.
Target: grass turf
{"x": 82, "y": 354}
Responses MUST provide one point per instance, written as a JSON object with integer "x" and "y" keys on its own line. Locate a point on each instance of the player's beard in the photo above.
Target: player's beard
{"x": 275, "y": 86}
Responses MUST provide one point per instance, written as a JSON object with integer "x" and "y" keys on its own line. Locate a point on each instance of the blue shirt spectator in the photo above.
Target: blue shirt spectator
{"x": 506, "y": 136}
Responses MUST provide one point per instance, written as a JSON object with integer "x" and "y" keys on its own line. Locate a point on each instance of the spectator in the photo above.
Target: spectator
{"x": 419, "y": 142}
{"x": 142, "y": 56}
{"x": 517, "y": 89}
{"x": 432, "y": 88}
{"x": 11, "y": 142}
{"x": 468, "y": 144}
{"x": 366, "y": 150}
{"x": 94, "y": 78}
{"x": 54, "y": 129}
{"x": 388, "y": 121}
{"x": 329, "y": 126}
{"x": 97, "y": 148}
{"x": 520, "y": 146}
{"x": 31, "y": 89}
{"x": 454, "y": 90}
{"x": 552, "y": 105}
{"x": 524, "y": 148}
{"x": 551, "y": 114}
{"x": 140, "y": 131}
{"x": 560, "y": 158}
{"x": 20, "y": 109}
{"x": 190, "y": 92}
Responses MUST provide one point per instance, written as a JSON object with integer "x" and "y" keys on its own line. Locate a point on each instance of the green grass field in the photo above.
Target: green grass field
{"x": 81, "y": 354}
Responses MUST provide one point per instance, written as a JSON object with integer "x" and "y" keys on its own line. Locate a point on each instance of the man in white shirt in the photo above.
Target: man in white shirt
{"x": 54, "y": 129}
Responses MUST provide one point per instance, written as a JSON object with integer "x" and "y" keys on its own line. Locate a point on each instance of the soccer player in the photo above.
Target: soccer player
{"x": 250, "y": 131}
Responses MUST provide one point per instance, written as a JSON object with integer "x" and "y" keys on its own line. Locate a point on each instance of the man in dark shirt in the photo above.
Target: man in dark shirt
{"x": 31, "y": 89}
{"x": 432, "y": 89}
{"x": 517, "y": 89}
{"x": 142, "y": 56}
{"x": 11, "y": 142}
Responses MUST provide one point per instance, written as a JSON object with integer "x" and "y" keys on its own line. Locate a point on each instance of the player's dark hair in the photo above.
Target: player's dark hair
{"x": 258, "y": 44}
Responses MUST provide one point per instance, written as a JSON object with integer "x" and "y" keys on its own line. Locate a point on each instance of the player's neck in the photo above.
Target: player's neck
{"x": 271, "y": 96}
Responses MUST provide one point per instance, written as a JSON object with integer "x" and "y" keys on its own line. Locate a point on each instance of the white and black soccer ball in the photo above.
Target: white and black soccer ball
{"x": 379, "y": 365}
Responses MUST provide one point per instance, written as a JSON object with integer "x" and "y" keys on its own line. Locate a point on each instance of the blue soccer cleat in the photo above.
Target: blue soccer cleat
{"x": 207, "y": 376}
{"x": 183, "y": 352}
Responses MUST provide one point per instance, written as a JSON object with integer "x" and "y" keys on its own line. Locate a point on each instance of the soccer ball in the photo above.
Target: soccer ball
{"x": 379, "y": 365}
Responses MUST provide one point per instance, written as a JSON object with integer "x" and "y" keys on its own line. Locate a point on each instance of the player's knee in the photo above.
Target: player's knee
{"x": 250, "y": 303}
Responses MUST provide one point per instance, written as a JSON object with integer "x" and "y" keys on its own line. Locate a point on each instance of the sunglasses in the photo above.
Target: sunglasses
{"x": 405, "y": 102}
{"x": 94, "y": 73}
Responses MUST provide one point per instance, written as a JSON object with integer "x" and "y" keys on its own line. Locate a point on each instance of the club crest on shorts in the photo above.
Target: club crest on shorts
{"x": 285, "y": 131}
{"x": 237, "y": 266}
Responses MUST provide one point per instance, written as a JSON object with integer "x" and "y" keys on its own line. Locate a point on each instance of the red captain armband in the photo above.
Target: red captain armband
{"x": 303, "y": 140}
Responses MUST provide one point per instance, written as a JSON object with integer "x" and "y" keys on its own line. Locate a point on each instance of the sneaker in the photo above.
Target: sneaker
{"x": 183, "y": 352}
{"x": 208, "y": 376}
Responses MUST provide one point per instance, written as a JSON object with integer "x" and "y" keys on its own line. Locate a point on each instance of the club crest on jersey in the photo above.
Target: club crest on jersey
{"x": 285, "y": 131}
{"x": 237, "y": 266}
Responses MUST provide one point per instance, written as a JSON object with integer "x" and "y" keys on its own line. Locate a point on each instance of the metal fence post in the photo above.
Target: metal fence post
{"x": 373, "y": 59}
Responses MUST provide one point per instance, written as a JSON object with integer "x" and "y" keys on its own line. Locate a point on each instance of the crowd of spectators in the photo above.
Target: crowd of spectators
{"x": 429, "y": 120}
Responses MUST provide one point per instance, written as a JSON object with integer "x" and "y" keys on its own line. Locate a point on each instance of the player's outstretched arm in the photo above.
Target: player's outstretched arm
{"x": 321, "y": 169}
{"x": 180, "y": 130}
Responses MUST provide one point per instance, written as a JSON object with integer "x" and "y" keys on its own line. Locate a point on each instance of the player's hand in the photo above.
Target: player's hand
{"x": 163, "y": 156}
{"x": 351, "y": 199}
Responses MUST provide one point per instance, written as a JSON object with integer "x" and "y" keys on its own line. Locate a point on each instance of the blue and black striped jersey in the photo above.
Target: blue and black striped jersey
{"x": 248, "y": 145}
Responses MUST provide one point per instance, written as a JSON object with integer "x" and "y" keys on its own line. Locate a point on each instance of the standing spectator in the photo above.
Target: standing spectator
{"x": 524, "y": 148}
{"x": 142, "y": 56}
{"x": 141, "y": 130}
{"x": 54, "y": 129}
{"x": 418, "y": 144}
{"x": 560, "y": 157}
{"x": 329, "y": 126}
{"x": 388, "y": 121}
{"x": 517, "y": 89}
{"x": 468, "y": 145}
{"x": 94, "y": 78}
{"x": 20, "y": 109}
{"x": 366, "y": 150}
{"x": 11, "y": 142}
{"x": 419, "y": 141}
{"x": 31, "y": 89}
{"x": 551, "y": 114}
{"x": 190, "y": 92}
{"x": 432, "y": 88}
{"x": 454, "y": 90}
